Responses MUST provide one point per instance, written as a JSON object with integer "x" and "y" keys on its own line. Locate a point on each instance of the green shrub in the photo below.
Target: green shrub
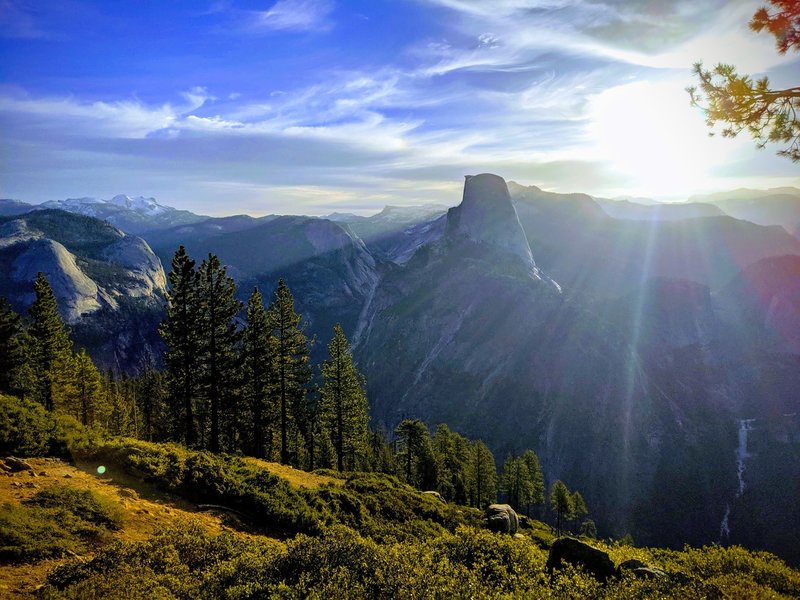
{"x": 84, "y": 504}
{"x": 55, "y": 522}
{"x": 27, "y": 429}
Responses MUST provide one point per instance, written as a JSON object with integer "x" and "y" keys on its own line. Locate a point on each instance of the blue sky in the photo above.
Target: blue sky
{"x": 311, "y": 106}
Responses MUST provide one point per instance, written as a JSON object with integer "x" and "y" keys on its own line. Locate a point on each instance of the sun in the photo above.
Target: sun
{"x": 654, "y": 138}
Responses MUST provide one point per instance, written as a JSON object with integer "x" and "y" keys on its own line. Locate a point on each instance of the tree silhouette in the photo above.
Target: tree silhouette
{"x": 740, "y": 103}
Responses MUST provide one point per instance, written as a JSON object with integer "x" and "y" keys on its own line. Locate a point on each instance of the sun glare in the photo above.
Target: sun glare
{"x": 651, "y": 135}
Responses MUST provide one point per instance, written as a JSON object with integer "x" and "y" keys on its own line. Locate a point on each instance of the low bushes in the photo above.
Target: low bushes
{"x": 56, "y": 522}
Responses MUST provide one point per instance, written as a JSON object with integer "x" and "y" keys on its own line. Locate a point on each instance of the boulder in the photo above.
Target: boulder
{"x": 577, "y": 553}
{"x": 632, "y": 564}
{"x": 642, "y": 570}
{"x": 501, "y": 518}
{"x": 16, "y": 465}
{"x": 649, "y": 573}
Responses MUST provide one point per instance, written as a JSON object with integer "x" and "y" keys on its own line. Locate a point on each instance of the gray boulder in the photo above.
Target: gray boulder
{"x": 577, "y": 553}
{"x": 501, "y": 518}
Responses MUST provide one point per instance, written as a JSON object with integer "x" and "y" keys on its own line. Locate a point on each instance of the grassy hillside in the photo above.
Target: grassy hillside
{"x": 143, "y": 528}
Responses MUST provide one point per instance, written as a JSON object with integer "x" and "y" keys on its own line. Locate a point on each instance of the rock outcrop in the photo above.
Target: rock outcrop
{"x": 501, "y": 518}
{"x": 109, "y": 285}
{"x": 486, "y": 216}
{"x": 577, "y": 553}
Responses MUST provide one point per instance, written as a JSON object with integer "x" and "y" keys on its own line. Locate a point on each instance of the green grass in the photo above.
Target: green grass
{"x": 56, "y": 522}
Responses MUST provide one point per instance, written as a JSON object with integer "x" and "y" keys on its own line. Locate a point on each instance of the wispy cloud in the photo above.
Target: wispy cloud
{"x": 293, "y": 15}
{"x": 571, "y": 95}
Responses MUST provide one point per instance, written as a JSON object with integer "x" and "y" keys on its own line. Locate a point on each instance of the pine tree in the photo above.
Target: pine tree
{"x": 381, "y": 457}
{"x": 343, "y": 402}
{"x": 88, "y": 402}
{"x": 483, "y": 475}
{"x": 561, "y": 503}
{"x": 324, "y": 451}
{"x": 50, "y": 348}
{"x": 579, "y": 508}
{"x": 292, "y": 372}
{"x": 150, "y": 396}
{"x": 453, "y": 454}
{"x": 119, "y": 399}
{"x": 517, "y": 483}
{"x": 416, "y": 454}
{"x": 219, "y": 337}
{"x": 180, "y": 332}
{"x": 260, "y": 353}
{"x": 537, "y": 479}
{"x": 12, "y": 356}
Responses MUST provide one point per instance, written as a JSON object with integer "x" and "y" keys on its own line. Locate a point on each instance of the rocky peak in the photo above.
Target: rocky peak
{"x": 487, "y": 216}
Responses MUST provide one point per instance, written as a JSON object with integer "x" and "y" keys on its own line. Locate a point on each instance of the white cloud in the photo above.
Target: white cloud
{"x": 294, "y": 15}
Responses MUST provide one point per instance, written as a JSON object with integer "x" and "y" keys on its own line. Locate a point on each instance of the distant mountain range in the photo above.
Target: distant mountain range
{"x": 623, "y": 341}
{"x": 131, "y": 214}
{"x": 110, "y": 285}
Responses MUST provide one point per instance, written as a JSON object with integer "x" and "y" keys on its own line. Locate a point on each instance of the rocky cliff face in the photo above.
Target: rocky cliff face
{"x": 109, "y": 285}
{"x": 628, "y": 394}
{"x": 487, "y": 217}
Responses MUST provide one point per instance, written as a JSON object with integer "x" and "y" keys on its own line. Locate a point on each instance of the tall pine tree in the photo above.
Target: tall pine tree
{"x": 416, "y": 454}
{"x": 88, "y": 402}
{"x": 517, "y": 483}
{"x": 12, "y": 355}
{"x": 292, "y": 372}
{"x": 483, "y": 475}
{"x": 561, "y": 502}
{"x": 180, "y": 332}
{"x": 344, "y": 403}
{"x": 50, "y": 347}
{"x": 219, "y": 337}
{"x": 260, "y": 355}
{"x": 537, "y": 479}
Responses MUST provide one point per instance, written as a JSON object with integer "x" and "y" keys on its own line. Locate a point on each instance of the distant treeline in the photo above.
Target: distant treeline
{"x": 246, "y": 386}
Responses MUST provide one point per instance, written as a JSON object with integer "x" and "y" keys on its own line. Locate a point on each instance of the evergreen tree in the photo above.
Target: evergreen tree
{"x": 219, "y": 337}
{"x": 292, "y": 373}
{"x": 416, "y": 454}
{"x": 768, "y": 114}
{"x": 50, "y": 348}
{"x": 453, "y": 454}
{"x": 88, "y": 402}
{"x": 12, "y": 356}
{"x": 150, "y": 393}
{"x": 344, "y": 403}
{"x": 260, "y": 352}
{"x": 381, "y": 457}
{"x": 324, "y": 451}
{"x": 483, "y": 476}
{"x": 180, "y": 332}
{"x": 537, "y": 479}
{"x": 120, "y": 400}
{"x": 589, "y": 529}
{"x": 561, "y": 503}
{"x": 517, "y": 482}
{"x": 579, "y": 508}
